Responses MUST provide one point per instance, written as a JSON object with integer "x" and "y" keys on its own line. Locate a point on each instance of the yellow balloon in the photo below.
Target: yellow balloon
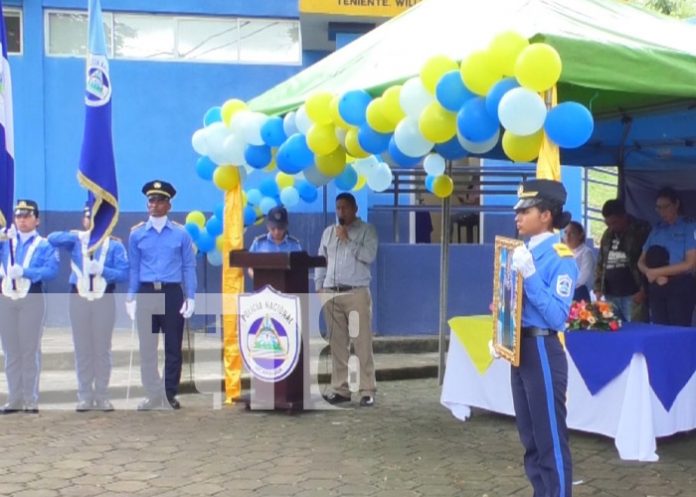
{"x": 271, "y": 167}
{"x": 437, "y": 124}
{"x": 522, "y": 148}
{"x": 538, "y": 67}
{"x": 318, "y": 107}
{"x": 391, "y": 107}
{"x": 362, "y": 181}
{"x": 353, "y": 146}
{"x": 335, "y": 115}
{"x": 332, "y": 164}
{"x": 284, "y": 180}
{"x": 376, "y": 118}
{"x": 226, "y": 177}
{"x": 478, "y": 72}
{"x": 504, "y": 50}
{"x": 434, "y": 69}
{"x": 321, "y": 139}
{"x": 443, "y": 186}
{"x": 230, "y": 108}
{"x": 196, "y": 217}
{"x": 220, "y": 243}
{"x": 259, "y": 216}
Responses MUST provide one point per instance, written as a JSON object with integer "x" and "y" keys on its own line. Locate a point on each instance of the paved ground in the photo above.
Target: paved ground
{"x": 406, "y": 446}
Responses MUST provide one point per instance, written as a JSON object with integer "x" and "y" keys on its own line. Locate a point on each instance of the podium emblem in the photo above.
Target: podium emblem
{"x": 269, "y": 333}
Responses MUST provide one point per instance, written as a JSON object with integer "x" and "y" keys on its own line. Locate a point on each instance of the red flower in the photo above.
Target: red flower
{"x": 613, "y": 325}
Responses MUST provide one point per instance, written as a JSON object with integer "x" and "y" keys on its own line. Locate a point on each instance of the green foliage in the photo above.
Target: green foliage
{"x": 674, "y": 8}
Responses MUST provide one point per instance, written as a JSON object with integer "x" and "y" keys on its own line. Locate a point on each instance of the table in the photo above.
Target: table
{"x": 633, "y": 385}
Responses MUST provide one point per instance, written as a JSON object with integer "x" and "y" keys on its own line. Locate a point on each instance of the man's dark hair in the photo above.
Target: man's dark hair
{"x": 614, "y": 207}
{"x": 348, "y": 197}
{"x": 669, "y": 193}
{"x": 579, "y": 228}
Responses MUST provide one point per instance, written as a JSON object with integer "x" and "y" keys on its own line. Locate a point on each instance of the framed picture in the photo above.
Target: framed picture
{"x": 507, "y": 301}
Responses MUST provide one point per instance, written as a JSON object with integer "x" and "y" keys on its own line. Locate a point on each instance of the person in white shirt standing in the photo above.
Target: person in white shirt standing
{"x": 575, "y": 238}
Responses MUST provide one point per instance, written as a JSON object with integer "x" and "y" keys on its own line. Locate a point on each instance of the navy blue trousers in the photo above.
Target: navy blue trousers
{"x": 539, "y": 395}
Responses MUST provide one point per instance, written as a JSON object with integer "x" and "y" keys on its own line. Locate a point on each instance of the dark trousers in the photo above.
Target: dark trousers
{"x": 539, "y": 395}
{"x": 673, "y": 303}
{"x": 92, "y": 329}
{"x": 21, "y": 327}
{"x": 152, "y": 321}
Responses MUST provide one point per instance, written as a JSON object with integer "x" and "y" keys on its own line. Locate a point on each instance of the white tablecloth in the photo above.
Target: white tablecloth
{"x": 626, "y": 409}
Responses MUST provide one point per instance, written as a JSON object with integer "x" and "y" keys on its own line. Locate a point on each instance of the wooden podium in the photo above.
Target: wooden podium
{"x": 286, "y": 272}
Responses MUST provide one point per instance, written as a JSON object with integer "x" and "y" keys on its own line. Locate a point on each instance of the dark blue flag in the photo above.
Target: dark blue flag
{"x": 97, "y": 166}
{"x": 6, "y": 132}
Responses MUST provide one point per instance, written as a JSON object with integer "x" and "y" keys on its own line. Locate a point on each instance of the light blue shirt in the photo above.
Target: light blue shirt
{"x": 677, "y": 238}
{"x": 548, "y": 293}
{"x": 165, "y": 257}
{"x": 44, "y": 262}
{"x": 115, "y": 263}
{"x": 265, "y": 243}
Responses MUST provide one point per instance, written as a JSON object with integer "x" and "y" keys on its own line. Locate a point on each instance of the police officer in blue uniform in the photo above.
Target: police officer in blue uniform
{"x": 92, "y": 309}
{"x": 672, "y": 287}
{"x": 277, "y": 239}
{"x": 27, "y": 260}
{"x": 539, "y": 382}
{"x": 163, "y": 277}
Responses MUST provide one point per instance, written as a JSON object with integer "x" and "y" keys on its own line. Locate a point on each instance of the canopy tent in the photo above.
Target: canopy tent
{"x": 635, "y": 70}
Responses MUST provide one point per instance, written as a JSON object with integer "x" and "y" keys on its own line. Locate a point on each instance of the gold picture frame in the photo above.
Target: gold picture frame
{"x": 507, "y": 301}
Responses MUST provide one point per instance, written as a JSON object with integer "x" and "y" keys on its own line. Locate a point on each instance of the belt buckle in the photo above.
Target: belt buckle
{"x": 157, "y": 285}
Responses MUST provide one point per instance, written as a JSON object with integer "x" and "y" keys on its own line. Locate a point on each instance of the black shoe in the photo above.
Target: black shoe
{"x": 31, "y": 408}
{"x": 151, "y": 404}
{"x": 11, "y": 408}
{"x": 84, "y": 406}
{"x": 367, "y": 401}
{"x": 336, "y": 398}
{"x": 173, "y": 402}
{"x": 103, "y": 405}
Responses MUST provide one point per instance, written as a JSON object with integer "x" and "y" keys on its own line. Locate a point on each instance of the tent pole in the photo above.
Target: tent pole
{"x": 444, "y": 280}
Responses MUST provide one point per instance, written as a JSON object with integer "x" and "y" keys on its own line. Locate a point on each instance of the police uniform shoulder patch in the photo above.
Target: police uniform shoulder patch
{"x": 140, "y": 224}
{"x": 564, "y": 285}
{"x": 563, "y": 250}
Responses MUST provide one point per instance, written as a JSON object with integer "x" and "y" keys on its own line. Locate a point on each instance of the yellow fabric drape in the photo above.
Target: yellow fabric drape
{"x": 232, "y": 286}
{"x": 474, "y": 332}
{"x": 549, "y": 162}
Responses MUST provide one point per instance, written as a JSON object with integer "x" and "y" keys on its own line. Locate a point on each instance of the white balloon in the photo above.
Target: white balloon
{"x": 216, "y": 134}
{"x": 434, "y": 164}
{"x": 302, "y": 120}
{"x": 364, "y": 166}
{"x": 199, "y": 141}
{"x": 233, "y": 148}
{"x": 289, "y": 196}
{"x": 522, "y": 111}
{"x": 479, "y": 147}
{"x": 289, "y": 124}
{"x": 414, "y": 97}
{"x": 409, "y": 139}
{"x": 252, "y": 130}
{"x": 240, "y": 120}
{"x": 380, "y": 177}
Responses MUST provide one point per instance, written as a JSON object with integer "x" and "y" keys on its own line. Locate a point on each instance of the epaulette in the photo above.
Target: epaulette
{"x": 292, "y": 238}
{"x": 261, "y": 237}
{"x": 141, "y": 223}
{"x": 563, "y": 250}
{"x": 177, "y": 224}
{"x": 116, "y": 238}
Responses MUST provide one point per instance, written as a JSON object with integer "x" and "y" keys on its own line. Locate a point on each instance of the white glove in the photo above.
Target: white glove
{"x": 523, "y": 262}
{"x": 188, "y": 308}
{"x": 15, "y": 271}
{"x": 94, "y": 267}
{"x": 130, "y": 309}
{"x": 491, "y": 350}
{"x": 11, "y": 231}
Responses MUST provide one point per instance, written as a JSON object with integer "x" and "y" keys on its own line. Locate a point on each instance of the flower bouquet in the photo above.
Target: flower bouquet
{"x": 592, "y": 315}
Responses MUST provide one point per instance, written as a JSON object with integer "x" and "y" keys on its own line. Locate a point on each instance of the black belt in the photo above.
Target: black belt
{"x": 158, "y": 285}
{"x": 533, "y": 331}
{"x": 109, "y": 288}
{"x": 342, "y": 288}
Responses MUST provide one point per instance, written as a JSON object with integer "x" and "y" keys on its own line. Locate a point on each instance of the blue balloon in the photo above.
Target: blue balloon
{"x": 401, "y": 159}
{"x": 451, "y": 92}
{"x": 451, "y": 150}
{"x": 205, "y": 168}
{"x": 294, "y": 155}
{"x": 205, "y": 241}
{"x": 347, "y": 179}
{"x": 219, "y": 210}
{"x": 569, "y": 125}
{"x": 429, "y": 182}
{"x": 352, "y": 106}
{"x": 371, "y": 141}
{"x": 475, "y": 123}
{"x": 272, "y": 132}
{"x": 258, "y": 156}
{"x": 214, "y": 226}
{"x": 214, "y": 258}
{"x": 267, "y": 203}
{"x": 193, "y": 230}
{"x": 212, "y": 115}
{"x": 254, "y": 196}
{"x": 249, "y": 215}
{"x": 307, "y": 191}
{"x": 496, "y": 93}
{"x": 269, "y": 188}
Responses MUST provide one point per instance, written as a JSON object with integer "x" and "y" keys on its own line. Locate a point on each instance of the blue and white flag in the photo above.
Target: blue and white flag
{"x": 97, "y": 166}
{"x": 6, "y": 132}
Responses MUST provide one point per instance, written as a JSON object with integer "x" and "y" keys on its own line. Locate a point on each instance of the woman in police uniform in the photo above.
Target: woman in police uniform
{"x": 539, "y": 383}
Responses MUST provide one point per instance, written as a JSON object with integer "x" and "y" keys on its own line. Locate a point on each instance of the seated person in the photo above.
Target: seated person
{"x": 575, "y": 237}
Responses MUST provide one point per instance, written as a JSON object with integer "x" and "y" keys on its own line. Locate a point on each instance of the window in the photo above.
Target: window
{"x": 167, "y": 37}
{"x": 13, "y": 30}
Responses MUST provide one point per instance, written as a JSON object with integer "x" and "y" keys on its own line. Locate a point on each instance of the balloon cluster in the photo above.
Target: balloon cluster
{"x": 207, "y": 234}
